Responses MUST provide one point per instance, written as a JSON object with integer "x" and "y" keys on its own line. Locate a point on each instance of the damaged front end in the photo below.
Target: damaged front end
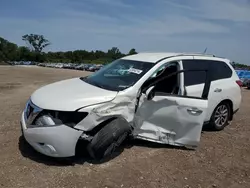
{"x": 98, "y": 115}
{"x": 53, "y": 118}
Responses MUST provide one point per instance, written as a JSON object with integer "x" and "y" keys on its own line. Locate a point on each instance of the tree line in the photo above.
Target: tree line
{"x": 35, "y": 44}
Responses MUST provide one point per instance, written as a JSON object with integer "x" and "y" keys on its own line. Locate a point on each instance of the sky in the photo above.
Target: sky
{"x": 221, "y": 26}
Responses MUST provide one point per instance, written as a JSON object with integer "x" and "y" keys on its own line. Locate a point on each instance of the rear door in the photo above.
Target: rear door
{"x": 222, "y": 86}
{"x": 170, "y": 118}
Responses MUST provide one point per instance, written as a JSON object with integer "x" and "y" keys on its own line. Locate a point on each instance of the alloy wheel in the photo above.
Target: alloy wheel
{"x": 221, "y": 115}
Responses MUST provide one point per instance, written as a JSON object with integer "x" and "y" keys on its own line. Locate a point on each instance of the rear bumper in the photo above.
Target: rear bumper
{"x": 58, "y": 141}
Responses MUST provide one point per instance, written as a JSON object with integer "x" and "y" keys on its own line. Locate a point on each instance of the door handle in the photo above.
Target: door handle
{"x": 217, "y": 90}
{"x": 194, "y": 111}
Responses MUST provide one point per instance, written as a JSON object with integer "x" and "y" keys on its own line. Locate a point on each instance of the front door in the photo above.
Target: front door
{"x": 170, "y": 118}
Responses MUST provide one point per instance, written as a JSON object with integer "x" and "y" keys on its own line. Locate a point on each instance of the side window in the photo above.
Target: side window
{"x": 171, "y": 84}
{"x": 158, "y": 71}
{"x": 168, "y": 85}
{"x": 194, "y": 77}
{"x": 220, "y": 70}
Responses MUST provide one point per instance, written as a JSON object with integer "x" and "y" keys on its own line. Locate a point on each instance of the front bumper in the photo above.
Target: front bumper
{"x": 58, "y": 141}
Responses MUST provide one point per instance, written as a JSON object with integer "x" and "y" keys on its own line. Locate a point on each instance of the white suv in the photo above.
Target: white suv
{"x": 160, "y": 97}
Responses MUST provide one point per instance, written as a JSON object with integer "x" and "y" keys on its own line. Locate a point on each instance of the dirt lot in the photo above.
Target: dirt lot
{"x": 222, "y": 159}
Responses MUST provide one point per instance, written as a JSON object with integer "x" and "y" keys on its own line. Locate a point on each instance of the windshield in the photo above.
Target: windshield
{"x": 119, "y": 75}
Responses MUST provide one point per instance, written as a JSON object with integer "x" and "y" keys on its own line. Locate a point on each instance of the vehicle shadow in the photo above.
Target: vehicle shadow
{"x": 207, "y": 128}
{"x": 153, "y": 145}
{"x": 82, "y": 156}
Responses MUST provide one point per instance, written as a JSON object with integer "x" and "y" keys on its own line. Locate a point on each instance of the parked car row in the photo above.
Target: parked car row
{"x": 75, "y": 66}
{"x": 22, "y": 63}
{"x": 86, "y": 67}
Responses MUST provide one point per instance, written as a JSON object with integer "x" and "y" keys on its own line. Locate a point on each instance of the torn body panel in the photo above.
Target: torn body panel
{"x": 164, "y": 119}
{"x": 171, "y": 120}
{"x": 159, "y": 116}
{"x": 123, "y": 106}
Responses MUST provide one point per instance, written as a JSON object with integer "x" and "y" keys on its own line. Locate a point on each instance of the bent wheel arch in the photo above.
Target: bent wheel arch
{"x": 109, "y": 138}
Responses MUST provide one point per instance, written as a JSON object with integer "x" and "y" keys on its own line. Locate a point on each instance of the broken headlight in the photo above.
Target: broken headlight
{"x": 49, "y": 118}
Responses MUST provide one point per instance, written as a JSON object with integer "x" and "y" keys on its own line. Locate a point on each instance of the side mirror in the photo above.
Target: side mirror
{"x": 150, "y": 93}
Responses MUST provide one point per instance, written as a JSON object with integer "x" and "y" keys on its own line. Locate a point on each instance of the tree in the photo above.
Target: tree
{"x": 8, "y": 50}
{"x": 114, "y": 53}
{"x": 132, "y": 52}
{"x": 24, "y": 54}
{"x": 36, "y": 42}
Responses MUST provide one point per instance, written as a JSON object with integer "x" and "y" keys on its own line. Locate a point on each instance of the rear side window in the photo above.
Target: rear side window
{"x": 219, "y": 70}
{"x": 194, "y": 77}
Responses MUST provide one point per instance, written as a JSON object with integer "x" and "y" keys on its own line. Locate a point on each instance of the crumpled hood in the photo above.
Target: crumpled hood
{"x": 70, "y": 95}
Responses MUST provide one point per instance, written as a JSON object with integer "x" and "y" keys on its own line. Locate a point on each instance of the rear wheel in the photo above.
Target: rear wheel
{"x": 220, "y": 117}
{"x": 108, "y": 139}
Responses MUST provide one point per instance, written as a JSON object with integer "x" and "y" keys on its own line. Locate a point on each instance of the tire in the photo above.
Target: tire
{"x": 108, "y": 139}
{"x": 219, "y": 120}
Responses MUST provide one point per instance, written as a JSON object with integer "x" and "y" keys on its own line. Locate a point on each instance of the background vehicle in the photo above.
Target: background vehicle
{"x": 248, "y": 84}
{"x": 244, "y": 76}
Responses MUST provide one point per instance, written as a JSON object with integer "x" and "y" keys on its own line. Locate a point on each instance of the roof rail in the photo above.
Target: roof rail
{"x": 184, "y": 53}
{"x": 198, "y": 54}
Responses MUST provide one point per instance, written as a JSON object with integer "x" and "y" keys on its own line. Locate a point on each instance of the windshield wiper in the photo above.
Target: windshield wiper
{"x": 124, "y": 87}
{"x": 83, "y": 78}
{"x": 99, "y": 85}
{"x": 96, "y": 84}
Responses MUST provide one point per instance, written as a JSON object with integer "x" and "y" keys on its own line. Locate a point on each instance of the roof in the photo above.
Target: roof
{"x": 149, "y": 57}
{"x": 153, "y": 57}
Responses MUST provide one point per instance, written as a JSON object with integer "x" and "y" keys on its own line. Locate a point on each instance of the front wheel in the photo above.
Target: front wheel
{"x": 108, "y": 139}
{"x": 220, "y": 117}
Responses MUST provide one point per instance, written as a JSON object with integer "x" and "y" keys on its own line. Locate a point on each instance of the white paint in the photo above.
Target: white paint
{"x": 70, "y": 95}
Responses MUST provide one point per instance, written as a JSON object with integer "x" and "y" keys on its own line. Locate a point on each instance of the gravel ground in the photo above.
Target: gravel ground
{"x": 222, "y": 159}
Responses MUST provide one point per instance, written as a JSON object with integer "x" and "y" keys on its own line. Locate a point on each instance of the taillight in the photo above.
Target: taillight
{"x": 239, "y": 82}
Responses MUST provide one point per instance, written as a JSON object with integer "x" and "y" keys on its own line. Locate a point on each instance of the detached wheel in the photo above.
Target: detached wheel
{"x": 108, "y": 139}
{"x": 220, "y": 117}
